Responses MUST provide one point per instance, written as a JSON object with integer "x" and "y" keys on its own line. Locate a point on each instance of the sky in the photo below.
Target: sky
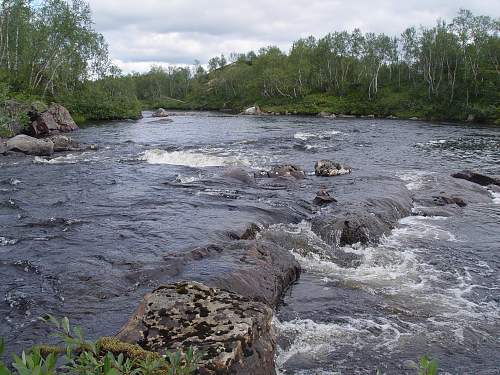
{"x": 141, "y": 33}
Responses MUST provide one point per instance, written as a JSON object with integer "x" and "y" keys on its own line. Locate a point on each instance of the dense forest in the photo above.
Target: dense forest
{"x": 50, "y": 51}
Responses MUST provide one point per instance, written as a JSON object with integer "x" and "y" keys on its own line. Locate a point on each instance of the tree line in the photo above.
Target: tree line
{"x": 450, "y": 70}
{"x": 50, "y": 51}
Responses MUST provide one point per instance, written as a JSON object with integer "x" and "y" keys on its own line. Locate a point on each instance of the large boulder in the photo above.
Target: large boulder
{"x": 31, "y": 146}
{"x": 477, "y": 178}
{"x": 328, "y": 168}
{"x": 160, "y": 112}
{"x": 233, "y": 333}
{"x": 56, "y": 119}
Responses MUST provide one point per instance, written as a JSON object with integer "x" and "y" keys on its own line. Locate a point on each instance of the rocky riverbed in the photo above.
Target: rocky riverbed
{"x": 274, "y": 244}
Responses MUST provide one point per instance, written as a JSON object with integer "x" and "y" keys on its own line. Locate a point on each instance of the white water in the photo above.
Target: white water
{"x": 190, "y": 159}
{"x": 396, "y": 270}
{"x": 304, "y": 136}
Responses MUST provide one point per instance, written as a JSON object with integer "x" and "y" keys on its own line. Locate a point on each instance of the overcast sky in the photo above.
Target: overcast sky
{"x": 170, "y": 32}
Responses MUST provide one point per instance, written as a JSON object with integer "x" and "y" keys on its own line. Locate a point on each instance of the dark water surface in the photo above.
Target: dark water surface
{"x": 84, "y": 235}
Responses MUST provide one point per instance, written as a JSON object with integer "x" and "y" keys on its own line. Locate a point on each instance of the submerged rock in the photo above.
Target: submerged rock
{"x": 328, "y": 168}
{"x": 233, "y": 333}
{"x": 31, "y": 146}
{"x": 160, "y": 112}
{"x": 477, "y": 178}
{"x": 239, "y": 174}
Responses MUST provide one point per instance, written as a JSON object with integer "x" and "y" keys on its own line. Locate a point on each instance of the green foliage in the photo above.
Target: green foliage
{"x": 427, "y": 366}
{"x": 78, "y": 356}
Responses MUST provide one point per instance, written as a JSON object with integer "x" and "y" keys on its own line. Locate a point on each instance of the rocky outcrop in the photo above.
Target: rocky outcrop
{"x": 233, "y": 333}
{"x": 328, "y": 168}
{"x": 477, "y": 178}
{"x": 56, "y": 119}
{"x": 443, "y": 200}
{"x": 160, "y": 112}
{"x": 30, "y": 146}
{"x": 286, "y": 170}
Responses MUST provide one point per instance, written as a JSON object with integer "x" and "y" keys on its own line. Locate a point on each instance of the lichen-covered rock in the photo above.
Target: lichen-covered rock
{"x": 233, "y": 333}
{"x": 328, "y": 168}
{"x": 31, "y": 146}
{"x": 160, "y": 112}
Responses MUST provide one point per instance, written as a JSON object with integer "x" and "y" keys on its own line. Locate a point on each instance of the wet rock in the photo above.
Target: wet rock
{"x": 31, "y": 146}
{"x": 251, "y": 232}
{"x": 286, "y": 170}
{"x": 328, "y": 168}
{"x": 362, "y": 222}
{"x": 443, "y": 200}
{"x": 477, "y": 178}
{"x": 346, "y": 116}
{"x": 392, "y": 117}
{"x": 255, "y": 110}
{"x": 414, "y": 118}
{"x": 323, "y": 198}
{"x": 160, "y": 112}
{"x": 234, "y": 333}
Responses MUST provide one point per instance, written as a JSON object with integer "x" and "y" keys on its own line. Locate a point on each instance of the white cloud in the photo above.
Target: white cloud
{"x": 180, "y": 31}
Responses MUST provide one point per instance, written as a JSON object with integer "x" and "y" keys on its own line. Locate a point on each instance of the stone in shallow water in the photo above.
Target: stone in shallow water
{"x": 234, "y": 333}
{"x": 328, "y": 168}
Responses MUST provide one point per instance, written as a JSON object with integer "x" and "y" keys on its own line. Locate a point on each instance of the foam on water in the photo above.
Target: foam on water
{"x": 415, "y": 179}
{"x": 4, "y": 241}
{"x": 496, "y": 197}
{"x": 67, "y": 159}
{"x": 396, "y": 270}
{"x": 304, "y": 136}
{"x": 190, "y": 159}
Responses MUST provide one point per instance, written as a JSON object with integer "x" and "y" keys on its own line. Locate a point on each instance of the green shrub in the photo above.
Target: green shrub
{"x": 107, "y": 356}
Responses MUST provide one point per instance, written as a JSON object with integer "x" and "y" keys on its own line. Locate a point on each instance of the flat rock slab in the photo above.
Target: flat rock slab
{"x": 234, "y": 333}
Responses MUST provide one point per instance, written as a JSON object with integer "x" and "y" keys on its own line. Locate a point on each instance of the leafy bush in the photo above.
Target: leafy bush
{"x": 78, "y": 356}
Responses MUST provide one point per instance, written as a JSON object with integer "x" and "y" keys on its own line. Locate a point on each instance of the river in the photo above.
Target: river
{"x": 84, "y": 235}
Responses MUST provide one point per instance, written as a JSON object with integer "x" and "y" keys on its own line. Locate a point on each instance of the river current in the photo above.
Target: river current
{"x": 84, "y": 235}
